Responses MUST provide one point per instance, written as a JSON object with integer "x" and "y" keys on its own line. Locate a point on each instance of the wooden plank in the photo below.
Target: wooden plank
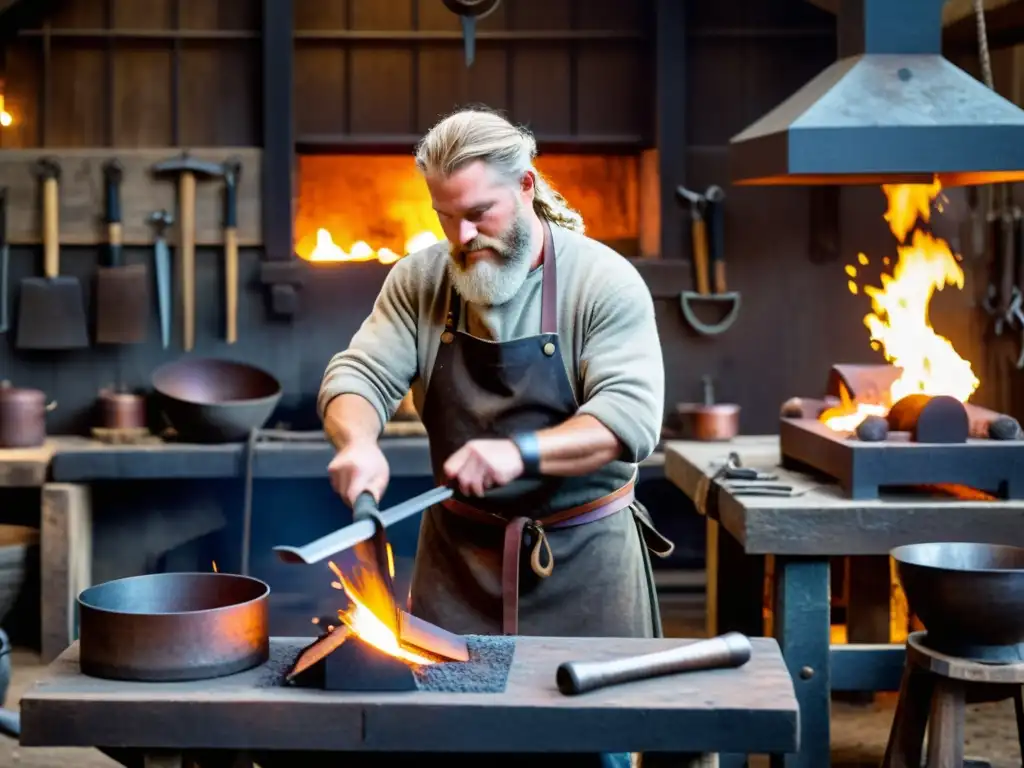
{"x": 25, "y": 467}
{"x": 819, "y": 520}
{"x": 66, "y": 562}
{"x": 751, "y": 709}
{"x": 82, "y": 202}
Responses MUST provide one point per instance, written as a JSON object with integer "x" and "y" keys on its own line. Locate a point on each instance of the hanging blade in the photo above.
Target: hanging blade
{"x": 469, "y": 38}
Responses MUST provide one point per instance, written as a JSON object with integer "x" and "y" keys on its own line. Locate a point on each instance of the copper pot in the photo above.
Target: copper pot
{"x": 709, "y": 421}
{"x": 22, "y": 416}
{"x": 121, "y": 410}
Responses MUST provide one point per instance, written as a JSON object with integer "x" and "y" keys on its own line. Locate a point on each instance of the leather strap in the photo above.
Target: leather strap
{"x": 549, "y": 285}
{"x": 542, "y": 562}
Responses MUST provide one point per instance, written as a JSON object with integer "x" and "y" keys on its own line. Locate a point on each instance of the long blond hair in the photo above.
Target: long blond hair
{"x": 482, "y": 134}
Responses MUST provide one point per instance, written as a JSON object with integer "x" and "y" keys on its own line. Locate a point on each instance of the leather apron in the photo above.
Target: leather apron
{"x": 548, "y": 556}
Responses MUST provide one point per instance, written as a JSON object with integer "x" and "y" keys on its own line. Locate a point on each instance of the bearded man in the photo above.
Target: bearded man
{"x": 534, "y": 361}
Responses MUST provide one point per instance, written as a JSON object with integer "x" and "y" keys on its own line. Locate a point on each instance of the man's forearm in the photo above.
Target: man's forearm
{"x": 577, "y": 446}
{"x": 351, "y": 418}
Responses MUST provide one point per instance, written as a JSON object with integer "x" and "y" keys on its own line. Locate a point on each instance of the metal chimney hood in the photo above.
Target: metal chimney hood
{"x": 891, "y": 110}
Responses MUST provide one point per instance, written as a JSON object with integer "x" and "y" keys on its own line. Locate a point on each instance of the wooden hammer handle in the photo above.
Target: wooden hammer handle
{"x": 187, "y": 213}
{"x": 231, "y": 283}
{"x": 700, "y": 256}
{"x": 51, "y": 229}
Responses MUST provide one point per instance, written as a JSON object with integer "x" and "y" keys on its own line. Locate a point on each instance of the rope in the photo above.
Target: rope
{"x": 983, "y": 52}
{"x": 985, "y": 58}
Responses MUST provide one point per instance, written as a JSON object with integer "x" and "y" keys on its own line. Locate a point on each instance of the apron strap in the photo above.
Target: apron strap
{"x": 549, "y": 285}
{"x": 511, "y": 556}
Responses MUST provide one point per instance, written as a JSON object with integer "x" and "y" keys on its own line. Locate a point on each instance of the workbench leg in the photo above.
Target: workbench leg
{"x": 734, "y": 596}
{"x": 66, "y": 562}
{"x": 801, "y": 615}
{"x": 735, "y": 585}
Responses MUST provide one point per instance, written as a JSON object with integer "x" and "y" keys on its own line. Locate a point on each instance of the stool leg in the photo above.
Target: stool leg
{"x": 946, "y": 725}
{"x": 1018, "y": 706}
{"x": 906, "y": 739}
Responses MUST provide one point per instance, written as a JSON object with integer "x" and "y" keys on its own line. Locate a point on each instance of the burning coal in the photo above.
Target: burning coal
{"x": 372, "y": 610}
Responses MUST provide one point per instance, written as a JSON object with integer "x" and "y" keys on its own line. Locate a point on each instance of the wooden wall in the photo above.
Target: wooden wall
{"x": 137, "y": 73}
{"x": 575, "y": 71}
{"x": 186, "y": 72}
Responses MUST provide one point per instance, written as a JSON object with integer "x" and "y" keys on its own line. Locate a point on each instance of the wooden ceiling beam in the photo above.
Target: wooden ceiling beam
{"x": 1004, "y": 22}
{"x": 952, "y": 12}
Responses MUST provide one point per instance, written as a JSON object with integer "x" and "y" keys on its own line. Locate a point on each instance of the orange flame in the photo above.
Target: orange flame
{"x": 372, "y": 611}
{"x": 215, "y": 567}
{"x": 899, "y": 325}
{"x": 325, "y": 249}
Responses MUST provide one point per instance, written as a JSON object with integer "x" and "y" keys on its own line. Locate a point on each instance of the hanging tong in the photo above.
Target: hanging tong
{"x": 707, "y": 217}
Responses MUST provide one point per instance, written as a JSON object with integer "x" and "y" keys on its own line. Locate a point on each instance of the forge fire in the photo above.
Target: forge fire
{"x": 899, "y": 324}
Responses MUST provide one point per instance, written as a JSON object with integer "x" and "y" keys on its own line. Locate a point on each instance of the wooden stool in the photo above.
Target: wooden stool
{"x": 934, "y": 693}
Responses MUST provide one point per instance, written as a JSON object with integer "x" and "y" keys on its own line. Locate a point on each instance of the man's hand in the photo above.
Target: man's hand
{"x": 483, "y": 464}
{"x": 359, "y": 466}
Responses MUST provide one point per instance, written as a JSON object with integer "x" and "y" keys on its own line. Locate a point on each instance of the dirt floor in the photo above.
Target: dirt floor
{"x": 859, "y": 732}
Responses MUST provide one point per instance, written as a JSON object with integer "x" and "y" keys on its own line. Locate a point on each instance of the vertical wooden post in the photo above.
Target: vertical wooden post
{"x": 66, "y": 562}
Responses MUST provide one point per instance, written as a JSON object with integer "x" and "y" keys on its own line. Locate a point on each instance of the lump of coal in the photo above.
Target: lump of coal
{"x": 874, "y": 429}
{"x": 1004, "y": 428}
{"x": 792, "y": 409}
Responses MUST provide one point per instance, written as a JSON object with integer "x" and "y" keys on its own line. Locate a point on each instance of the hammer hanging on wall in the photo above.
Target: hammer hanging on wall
{"x": 232, "y": 171}
{"x": 187, "y": 169}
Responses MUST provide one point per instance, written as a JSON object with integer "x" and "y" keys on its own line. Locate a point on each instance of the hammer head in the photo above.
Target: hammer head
{"x": 231, "y": 170}
{"x": 161, "y": 220}
{"x": 48, "y": 168}
{"x": 186, "y": 163}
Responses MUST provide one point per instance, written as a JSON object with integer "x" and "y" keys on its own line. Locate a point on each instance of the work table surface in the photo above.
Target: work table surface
{"x": 755, "y": 706}
{"x": 69, "y": 459}
{"x": 818, "y": 519}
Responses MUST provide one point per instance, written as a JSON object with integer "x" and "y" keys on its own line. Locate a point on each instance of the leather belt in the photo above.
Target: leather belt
{"x": 517, "y": 528}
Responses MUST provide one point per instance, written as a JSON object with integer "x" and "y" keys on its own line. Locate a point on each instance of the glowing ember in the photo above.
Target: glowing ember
{"x": 899, "y": 324}
{"x": 327, "y": 250}
{"x": 371, "y": 613}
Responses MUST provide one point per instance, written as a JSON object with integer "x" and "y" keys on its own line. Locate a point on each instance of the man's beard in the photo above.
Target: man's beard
{"x": 492, "y": 283}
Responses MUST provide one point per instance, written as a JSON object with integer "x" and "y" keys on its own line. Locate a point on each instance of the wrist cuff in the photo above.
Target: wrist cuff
{"x": 529, "y": 450}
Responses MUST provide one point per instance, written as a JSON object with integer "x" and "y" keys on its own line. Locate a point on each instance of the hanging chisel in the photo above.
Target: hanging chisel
{"x": 469, "y": 13}
{"x": 161, "y": 220}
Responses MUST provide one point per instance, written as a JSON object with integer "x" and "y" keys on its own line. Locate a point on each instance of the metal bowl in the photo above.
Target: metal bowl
{"x": 215, "y": 401}
{"x": 173, "y": 626}
{"x": 970, "y": 597}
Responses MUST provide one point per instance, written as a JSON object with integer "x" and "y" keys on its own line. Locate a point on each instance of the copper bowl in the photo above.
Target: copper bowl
{"x": 710, "y": 423}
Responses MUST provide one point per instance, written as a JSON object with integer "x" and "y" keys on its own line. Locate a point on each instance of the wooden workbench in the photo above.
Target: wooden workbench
{"x": 751, "y": 709}
{"x": 26, "y": 467}
{"x": 802, "y": 532}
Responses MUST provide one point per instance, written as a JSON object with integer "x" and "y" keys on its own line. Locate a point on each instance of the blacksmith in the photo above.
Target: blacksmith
{"x": 534, "y": 362}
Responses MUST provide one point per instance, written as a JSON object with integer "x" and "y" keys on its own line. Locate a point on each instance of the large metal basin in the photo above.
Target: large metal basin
{"x": 970, "y": 597}
{"x": 215, "y": 401}
{"x": 173, "y": 626}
